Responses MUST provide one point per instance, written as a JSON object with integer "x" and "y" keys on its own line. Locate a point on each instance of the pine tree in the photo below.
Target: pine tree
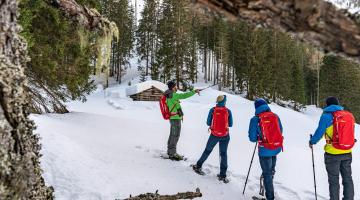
{"x": 143, "y": 76}
{"x": 146, "y": 35}
{"x": 175, "y": 49}
{"x": 60, "y": 53}
{"x": 122, "y": 13}
{"x": 340, "y": 78}
{"x": 297, "y": 86}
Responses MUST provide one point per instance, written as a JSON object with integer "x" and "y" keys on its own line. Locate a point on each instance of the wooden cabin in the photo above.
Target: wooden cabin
{"x": 146, "y": 91}
{"x": 151, "y": 94}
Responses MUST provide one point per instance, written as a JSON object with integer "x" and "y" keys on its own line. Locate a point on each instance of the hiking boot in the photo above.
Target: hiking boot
{"x": 198, "y": 169}
{"x": 223, "y": 178}
{"x": 176, "y": 157}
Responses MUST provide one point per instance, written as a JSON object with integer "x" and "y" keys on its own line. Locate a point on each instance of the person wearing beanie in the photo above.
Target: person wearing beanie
{"x": 267, "y": 155}
{"x": 219, "y": 120}
{"x": 332, "y": 101}
{"x": 337, "y": 160}
{"x": 173, "y": 102}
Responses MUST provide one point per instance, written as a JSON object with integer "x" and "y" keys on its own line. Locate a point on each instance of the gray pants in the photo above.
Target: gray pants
{"x": 175, "y": 128}
{"x": 336, "y": 164}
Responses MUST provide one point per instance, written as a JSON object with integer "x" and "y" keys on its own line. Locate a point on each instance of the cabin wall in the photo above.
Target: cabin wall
{"x": 152, "y": 94}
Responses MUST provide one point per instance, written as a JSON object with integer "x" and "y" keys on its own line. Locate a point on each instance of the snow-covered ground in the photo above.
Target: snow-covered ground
{"x": 109, "y": 148}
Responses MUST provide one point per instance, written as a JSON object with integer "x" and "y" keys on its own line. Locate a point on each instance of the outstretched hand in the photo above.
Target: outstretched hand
{"x": 197, "y": 91}
{"x": 310, "y": 145}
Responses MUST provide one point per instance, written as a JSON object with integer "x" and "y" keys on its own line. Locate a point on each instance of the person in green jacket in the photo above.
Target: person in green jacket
{"x": 173, "y": 102}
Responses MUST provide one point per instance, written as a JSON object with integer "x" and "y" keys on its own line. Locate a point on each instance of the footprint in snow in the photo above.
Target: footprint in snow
{"x": 110, "y": 102}
{"x": 310, "y": 195}
{"x": 118, "y": 107}
{"x": 286, "y": 192}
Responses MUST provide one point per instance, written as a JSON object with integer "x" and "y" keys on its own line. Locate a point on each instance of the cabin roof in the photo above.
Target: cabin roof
{"x": 141, "y": 87}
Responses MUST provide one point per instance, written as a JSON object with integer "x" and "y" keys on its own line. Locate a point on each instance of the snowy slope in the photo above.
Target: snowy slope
{"x": 109, "y": 148}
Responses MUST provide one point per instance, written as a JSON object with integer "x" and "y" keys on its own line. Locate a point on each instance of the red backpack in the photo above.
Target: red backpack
{"x": 343, "y": 130}
{"x": 270, "y": 131}
{"x": 165, "y": 109}
{"x": 220, "y": 122}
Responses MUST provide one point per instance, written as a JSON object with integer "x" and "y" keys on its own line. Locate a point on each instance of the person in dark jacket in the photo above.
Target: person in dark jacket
{"x": 219, "y": 134}
{"x": 267, "y": 156}
{"x": 337, "y": 161}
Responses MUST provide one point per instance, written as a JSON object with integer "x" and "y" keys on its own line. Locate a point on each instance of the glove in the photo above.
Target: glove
{"x": 310, "y": 145}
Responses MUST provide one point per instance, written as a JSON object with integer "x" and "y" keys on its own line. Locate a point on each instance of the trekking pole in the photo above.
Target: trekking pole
{"x": 208, "y": 87}
{"x": 312, "y": 153}
{"x": 247, "y": 177}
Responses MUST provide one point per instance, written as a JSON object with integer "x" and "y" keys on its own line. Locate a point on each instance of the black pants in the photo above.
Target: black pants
{"x": 335, "y": 165}
{"x": 175, "y": 128}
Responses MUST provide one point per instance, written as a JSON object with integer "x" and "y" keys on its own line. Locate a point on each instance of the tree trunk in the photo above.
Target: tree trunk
{"x": 112, "y": 63}
{"x": 233, "y": 79}
{"x": 209, "y": 67}
{"x": 147, "y": 54}
{"x": 214, "y": 69}
{"x": 20, "y": 173}
{"x": 217, "y": 70}
{"x": 205, "y": 64}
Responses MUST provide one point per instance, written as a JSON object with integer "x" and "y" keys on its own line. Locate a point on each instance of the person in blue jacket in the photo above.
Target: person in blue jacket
{"x": 337, "y": 161}
{"x": 267, "y": 157}
{"x": 215, "y": 137}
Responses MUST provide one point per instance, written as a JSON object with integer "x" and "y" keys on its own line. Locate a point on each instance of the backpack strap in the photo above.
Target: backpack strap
{"x": 260, "y": 133}
{"x": 329, "y": 139}
{"x": 212, "y": 120}
{"x": 173, "y": 107}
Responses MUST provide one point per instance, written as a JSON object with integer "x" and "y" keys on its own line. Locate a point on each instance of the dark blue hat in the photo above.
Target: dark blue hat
{"x": 332, "y": 101}
{"x": 259, "y": 102}
{"x": 171, "y": 84}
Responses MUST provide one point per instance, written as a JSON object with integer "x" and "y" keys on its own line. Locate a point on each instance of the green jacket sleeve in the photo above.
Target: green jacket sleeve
{"x": 178, "y": 96}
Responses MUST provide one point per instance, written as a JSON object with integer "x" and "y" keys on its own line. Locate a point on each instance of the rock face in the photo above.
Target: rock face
{"x": 314, "y": 21}
{"x": 20, "y": 173}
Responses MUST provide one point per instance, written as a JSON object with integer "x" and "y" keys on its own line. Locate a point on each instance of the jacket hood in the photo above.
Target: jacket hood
{"x": 222, "y": 103}
{"x": 168, "y": 94}
{"x": 262, "y": 108}
{"x": 333, "y": 108}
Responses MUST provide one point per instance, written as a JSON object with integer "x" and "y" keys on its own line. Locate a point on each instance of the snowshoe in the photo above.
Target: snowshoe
{"x": 258, "y": 198}
{"x": 223, "y": 179}
{"x": 198, "y": 170}
{"x": 175, "y": 157}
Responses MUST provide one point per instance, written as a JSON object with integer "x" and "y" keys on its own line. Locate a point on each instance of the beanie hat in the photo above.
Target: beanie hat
{"x": 220, "y": 98}
{"x": 332, "y": 101}
{"x": 259, "y": 102}
{"x": 171, "y": 84}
